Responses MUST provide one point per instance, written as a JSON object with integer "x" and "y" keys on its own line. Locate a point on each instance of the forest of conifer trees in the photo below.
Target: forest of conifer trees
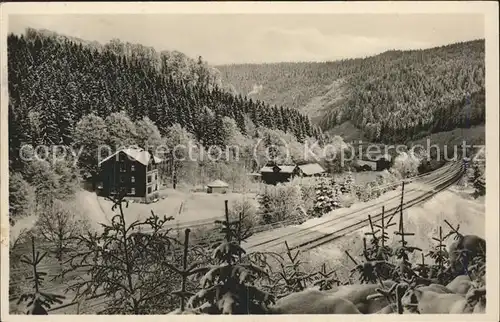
{"x": 54, "y": 81}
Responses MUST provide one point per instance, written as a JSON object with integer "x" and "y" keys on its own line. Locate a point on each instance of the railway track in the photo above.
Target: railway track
{"x": 336, "y": 226}
{"x": 262, "y": 239}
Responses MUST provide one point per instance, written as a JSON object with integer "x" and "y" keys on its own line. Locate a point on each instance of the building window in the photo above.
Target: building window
{"x": 122, "y": 179}
{"x": 132, "y": 191}
{"x": 149, "y": 179}
{"x": 132, "y": 179}
{"x": 122, "y": 167}
{"x": 149, "y": 167}
{"x": 156, "y": 178}
{"x": 132, "y": 167}
{"x": 149, "y": 189}
{"x": 156, "y": 187}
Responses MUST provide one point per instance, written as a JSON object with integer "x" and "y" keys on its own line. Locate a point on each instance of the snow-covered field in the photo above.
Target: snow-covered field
{"x": 193, "y": 206}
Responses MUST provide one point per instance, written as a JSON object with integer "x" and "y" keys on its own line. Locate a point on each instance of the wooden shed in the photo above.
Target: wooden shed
{"x": 217, "y": 186}
{"x": 274, "y": 174}
{"x": 373, "y": 163}
{"x": 365, "y": 165}
{"x": 383, "y": 162}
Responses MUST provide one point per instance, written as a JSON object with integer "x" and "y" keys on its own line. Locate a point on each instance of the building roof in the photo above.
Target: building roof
{"x": 140, "y": 155}
{"x": 383, "y": 155}
{"x": 282, "y": 168}
{"x": 308, "y": 169}
{"x": 267, "y": 169}
{"x": 363, "y": 162}
{"x": 287, "y": 168}
{"x": 311, "y": 168}
{"x": 217, "y": 184}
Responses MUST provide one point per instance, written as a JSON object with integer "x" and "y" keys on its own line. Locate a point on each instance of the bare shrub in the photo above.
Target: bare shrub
{"x": 245, "y": 210}
{"x": 406, "y": 164}
{"x": 308, "y": 191}
{"x": 59, "y": 225}
{"x": 282, "y": 202}
{"x": 346, "y": 200}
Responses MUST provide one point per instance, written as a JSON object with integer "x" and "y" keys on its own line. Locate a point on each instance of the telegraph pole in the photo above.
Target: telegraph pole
{"x": 402, "y": 197}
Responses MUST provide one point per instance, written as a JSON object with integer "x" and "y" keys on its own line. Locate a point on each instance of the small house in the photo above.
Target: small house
{"x": 217, "y": 186}
{"x": 383, "y": 162}
{"x": 274, "y": 174}
{"x": 365, "y": 165}
{"x": 311, "y": 170}
{"x": 373, "y": 162}
{"x": 134, "y": 170}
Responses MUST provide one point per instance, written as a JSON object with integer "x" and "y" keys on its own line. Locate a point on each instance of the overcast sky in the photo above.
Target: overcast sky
{"x": 258, "y": 38}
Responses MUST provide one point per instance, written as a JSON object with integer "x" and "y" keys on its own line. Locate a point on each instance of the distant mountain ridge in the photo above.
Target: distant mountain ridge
{"x": 391, "y": 97}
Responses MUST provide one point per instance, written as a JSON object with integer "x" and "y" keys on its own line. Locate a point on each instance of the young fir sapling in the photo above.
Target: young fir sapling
{"x": 404, "y": 269}
{"x": 184, "y": 272}
{"x": 295, "y": 279}
{"x": 228, "y": 286}
{"x": 376, "y": 266}
{"x": 378, "y": 248}
{"x": 327, "y": 279}
{"x": 39, "y": 302}
{"x": 369, "y": 271}
{"x": 422, "y": 268}
{"x": 440, "y": 256}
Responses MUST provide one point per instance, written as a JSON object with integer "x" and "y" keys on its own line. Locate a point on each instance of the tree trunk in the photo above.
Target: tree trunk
{"x": 94, "y": 182}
